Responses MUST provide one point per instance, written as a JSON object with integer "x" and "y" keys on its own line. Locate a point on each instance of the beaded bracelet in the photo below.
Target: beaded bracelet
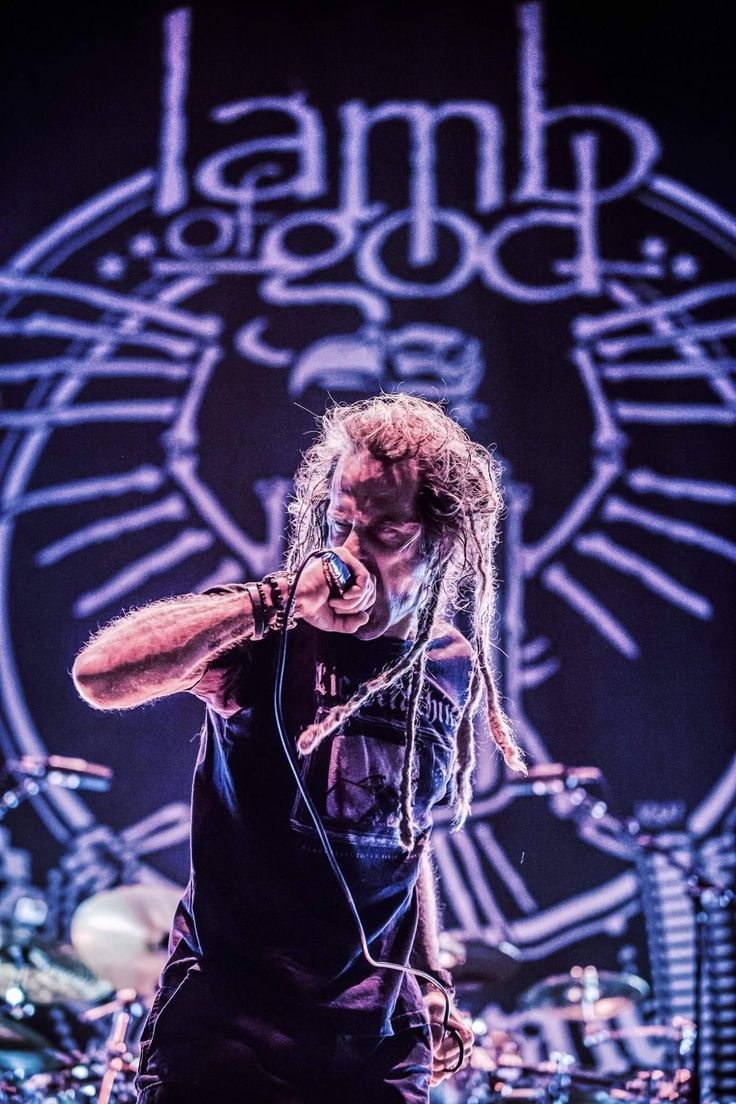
{"x": 277, "y": 598}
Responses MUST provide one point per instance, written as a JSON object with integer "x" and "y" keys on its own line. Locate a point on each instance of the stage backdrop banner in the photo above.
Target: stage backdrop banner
{"x": 215, "y": 222}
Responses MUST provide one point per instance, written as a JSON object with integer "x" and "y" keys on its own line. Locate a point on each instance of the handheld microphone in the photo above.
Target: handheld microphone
{"x": 340, "y": 574}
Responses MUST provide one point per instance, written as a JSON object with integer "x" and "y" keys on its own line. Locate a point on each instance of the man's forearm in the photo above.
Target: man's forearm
{"x": 167, "y": 646}
{"x": 161, "y": 648}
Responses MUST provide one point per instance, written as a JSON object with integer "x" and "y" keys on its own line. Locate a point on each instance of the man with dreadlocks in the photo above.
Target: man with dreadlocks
{"x": 267, "y": 996}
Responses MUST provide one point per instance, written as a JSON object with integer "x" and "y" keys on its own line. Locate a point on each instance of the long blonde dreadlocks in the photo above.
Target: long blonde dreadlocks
{"x": 459, "y": 504}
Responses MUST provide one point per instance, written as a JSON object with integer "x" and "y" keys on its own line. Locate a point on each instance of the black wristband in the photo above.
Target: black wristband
{"x": 259, "y": 613}
{"x": 269, "y": 611}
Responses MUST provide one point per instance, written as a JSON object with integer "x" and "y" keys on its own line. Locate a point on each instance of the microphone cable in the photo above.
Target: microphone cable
{"x": 319, "y": 825}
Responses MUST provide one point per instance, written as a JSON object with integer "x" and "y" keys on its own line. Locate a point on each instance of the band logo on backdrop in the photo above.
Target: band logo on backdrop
{"x": 164, "y": 293}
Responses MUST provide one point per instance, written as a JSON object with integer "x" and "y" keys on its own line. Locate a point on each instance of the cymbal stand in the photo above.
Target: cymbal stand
{"x": 118, "y": 1057}
{"x": 36, "y": 773}
{"x": 14, "y": 795}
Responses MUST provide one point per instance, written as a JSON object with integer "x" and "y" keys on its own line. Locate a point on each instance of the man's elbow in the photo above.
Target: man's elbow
{"x": 94, "y": 687}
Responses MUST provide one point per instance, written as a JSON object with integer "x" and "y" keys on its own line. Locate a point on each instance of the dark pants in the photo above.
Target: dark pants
{"x": 309, "y": 1069}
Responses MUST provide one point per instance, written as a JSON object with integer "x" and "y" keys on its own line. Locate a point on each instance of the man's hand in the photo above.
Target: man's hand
{"x": 445, "y": 1045}
{"x": 348, "y": 614}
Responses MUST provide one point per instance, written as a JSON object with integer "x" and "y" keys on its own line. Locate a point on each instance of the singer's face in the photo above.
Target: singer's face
{"x": 373, "y": 511}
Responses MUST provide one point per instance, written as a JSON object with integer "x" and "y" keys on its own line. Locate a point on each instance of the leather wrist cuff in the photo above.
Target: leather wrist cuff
{"x": 259, "y": 613}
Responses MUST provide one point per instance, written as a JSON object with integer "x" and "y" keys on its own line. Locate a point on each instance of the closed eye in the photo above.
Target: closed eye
{"x": 399, "y": 536}
{"x": 338, "y": 524}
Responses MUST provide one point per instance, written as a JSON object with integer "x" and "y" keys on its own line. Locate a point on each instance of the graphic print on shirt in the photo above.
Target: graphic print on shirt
{"x": 354, "y": 777}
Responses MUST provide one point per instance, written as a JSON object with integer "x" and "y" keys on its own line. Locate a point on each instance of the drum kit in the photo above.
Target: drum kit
{"x": 500, "y": 1071}
{"x": 104, "y": 981}
{"x": 119, "y": 935}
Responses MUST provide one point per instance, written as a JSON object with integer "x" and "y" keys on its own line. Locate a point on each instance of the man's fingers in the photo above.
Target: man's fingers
{"x": 360, "y": 596}
{"x": 350, "y": 622}
{"x": 351, "y": 603}
{"x": 464, "y": 1031}
{"x": 446, "y": 1049}
{"x": 449, "y": 1052}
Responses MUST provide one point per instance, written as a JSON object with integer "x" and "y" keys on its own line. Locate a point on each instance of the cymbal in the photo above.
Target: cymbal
{"x": 25, "y": 1050}
{"x": 122, "y": 934}
{"x": 586, "y": 994}
{"x": 49, "y": 975}
{"x": 474, "y": 958}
